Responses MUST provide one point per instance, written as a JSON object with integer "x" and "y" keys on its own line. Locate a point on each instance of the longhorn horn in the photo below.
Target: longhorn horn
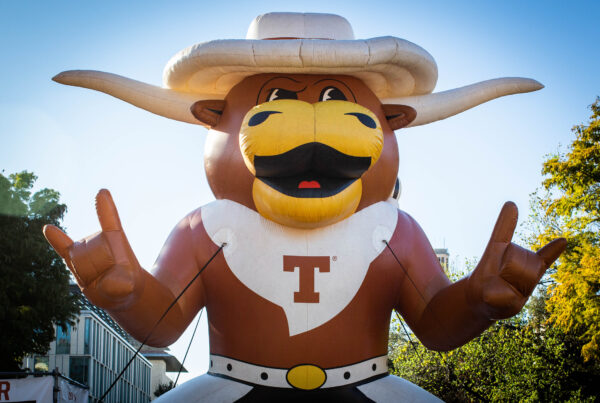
{"x": 161, "y": 101}
{"x": 441, "y": 105}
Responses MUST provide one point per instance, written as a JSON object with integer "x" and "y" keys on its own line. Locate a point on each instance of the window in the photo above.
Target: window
{"x": 97, "y": 377}
{"x": 79, "y": 369}
{"x": 86, "y": 336}
{"x": 63, "y": 340}
{"x": 40, "y": 364}
{"x": 113, "y": 348}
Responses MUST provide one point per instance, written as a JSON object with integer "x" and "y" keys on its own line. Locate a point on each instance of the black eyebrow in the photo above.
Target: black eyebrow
{"x": 274, "y": 78}
{"x": 278, "y": 88}
{"x": 338, "y": 81}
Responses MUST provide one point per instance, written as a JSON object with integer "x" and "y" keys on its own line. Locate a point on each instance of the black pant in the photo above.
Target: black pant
{"x": 263, "y": 394}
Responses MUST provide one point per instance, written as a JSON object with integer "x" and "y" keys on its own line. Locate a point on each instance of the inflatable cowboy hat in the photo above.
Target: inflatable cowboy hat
{"x": 396, "y": 70}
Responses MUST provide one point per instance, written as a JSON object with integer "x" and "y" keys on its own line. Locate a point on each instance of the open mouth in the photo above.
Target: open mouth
{"x": 312, "y": 170}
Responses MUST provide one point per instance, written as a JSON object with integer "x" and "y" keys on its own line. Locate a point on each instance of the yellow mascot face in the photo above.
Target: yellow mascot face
{"x": 308, "y": 159}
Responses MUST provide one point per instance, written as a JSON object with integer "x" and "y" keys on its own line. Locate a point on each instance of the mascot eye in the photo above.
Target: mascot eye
{"x": 332, "y": 94}
{"x": 280, "y": 93}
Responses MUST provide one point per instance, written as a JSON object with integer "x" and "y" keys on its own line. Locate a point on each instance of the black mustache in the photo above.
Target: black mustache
{"x": 317, "y": 158}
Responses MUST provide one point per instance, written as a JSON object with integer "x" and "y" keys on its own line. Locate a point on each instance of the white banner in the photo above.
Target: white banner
{"x": 39, "y": 390}
{"x": 71, "y": 393}
{"x": 27, "y": 390}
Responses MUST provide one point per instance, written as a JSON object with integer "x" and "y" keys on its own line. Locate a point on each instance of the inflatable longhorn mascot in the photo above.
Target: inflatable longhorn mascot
{"x": 304, "y": 254}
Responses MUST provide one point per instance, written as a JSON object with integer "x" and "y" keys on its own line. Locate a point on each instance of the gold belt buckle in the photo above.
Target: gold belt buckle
{"x": 306, "y": 377}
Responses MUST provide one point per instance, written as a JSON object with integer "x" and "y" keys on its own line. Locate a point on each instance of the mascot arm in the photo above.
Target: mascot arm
{"x": 109, "y": 274}
{"x": 449, "y": 315}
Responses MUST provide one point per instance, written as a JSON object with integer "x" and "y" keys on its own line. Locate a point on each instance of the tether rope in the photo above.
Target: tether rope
{"x": 412, "y": 343}
{"x": 460, "y": 384}
{"x": 418, "y": 291}
{"x": 188, "y": 348}
{"x": 160, "y": 320}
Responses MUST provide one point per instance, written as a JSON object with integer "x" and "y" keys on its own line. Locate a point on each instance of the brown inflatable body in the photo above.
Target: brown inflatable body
{"x": 308, "y": 255}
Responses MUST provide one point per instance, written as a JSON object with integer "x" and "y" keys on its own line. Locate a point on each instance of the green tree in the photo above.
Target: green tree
{"x": 570, "y": 207}
{"x": 34, "y": 286}
{"x": 524, "y": 358}
{"x": 511, "y": 361}
{"x": 163, "y": 388}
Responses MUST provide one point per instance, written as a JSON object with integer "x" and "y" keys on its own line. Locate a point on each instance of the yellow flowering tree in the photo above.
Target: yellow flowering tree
{"x": 570, "y": 207}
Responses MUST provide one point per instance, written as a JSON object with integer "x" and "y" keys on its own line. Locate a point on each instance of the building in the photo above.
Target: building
{"x": 93, "y": 352}
{"x": 443, "y": 257}
{"x": 162, "y": 362}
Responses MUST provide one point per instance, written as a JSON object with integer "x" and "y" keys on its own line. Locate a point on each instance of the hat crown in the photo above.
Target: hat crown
{"x": 300, "y": 25}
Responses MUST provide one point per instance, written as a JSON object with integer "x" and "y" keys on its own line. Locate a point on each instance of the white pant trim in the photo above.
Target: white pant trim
{"x": 277, "y": 377}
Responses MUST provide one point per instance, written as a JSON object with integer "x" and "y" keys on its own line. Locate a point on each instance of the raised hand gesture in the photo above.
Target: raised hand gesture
{"x": 507, "y": 273}
{"x": 103, "y": 264}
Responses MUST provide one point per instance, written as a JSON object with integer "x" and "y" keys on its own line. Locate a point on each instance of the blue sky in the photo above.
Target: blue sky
{"x": 455, "y": 173}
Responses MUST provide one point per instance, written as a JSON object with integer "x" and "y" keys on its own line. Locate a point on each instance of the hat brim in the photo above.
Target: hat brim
{"x": 391, "y": 67}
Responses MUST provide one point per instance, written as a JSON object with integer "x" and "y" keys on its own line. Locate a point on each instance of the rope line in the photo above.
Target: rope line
{"x": 188, "y": 348}
{"x": 437, "y": 319}
{"x": 412, "y": 343}
{"x": 405, "y": 271}
{"x": 160, "y": 320}
{"x": 460, "y": 383}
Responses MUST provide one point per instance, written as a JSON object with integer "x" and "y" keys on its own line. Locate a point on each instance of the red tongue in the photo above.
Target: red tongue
{"x": 309, "y": 185}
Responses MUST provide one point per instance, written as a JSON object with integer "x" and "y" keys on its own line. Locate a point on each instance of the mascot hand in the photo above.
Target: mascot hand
{"x": 103, "y": 264}
{"x": 507, "y": 274}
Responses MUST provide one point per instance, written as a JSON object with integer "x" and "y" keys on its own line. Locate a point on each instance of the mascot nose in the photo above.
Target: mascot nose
{"x": 277, "y": 129}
